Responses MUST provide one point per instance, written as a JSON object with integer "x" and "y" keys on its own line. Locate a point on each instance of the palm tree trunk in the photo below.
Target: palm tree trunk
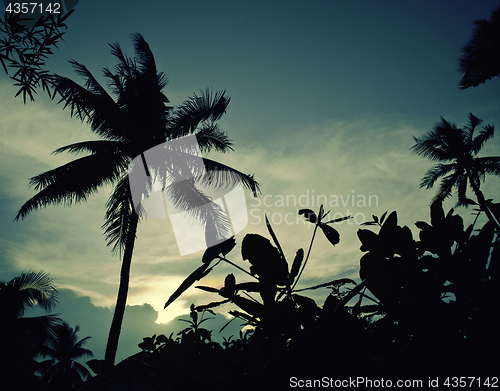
{"x": 121, "y": 301}
{"x": 484, "y": 205}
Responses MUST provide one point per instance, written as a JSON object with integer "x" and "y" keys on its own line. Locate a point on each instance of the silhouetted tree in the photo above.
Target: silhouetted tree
{"x": 480, "y": 59}
{"x": 23, "y": 337}
{"x": 61, "y": 371}
{"x": 26, "y": 44}
{"x": 135, "y": 121}
{"x": 458, "y": 148}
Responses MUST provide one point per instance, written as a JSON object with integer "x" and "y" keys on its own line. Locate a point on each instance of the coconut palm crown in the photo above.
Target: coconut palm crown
{"x": 456, "y": 151}
{"x": 61, "y": 371}
{"x": 132, "y": 119}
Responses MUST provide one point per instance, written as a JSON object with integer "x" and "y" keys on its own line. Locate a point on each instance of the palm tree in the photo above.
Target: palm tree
{"x": 458, "y": 149}
{"x": 133, "y": 119}
{"x": 61, "y": 371}
{"x": 23, "y": 337}
{"x": 480, "y": 58}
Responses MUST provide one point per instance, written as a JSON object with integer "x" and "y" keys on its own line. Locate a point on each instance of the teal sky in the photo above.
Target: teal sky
{"x": 325, "y": 99}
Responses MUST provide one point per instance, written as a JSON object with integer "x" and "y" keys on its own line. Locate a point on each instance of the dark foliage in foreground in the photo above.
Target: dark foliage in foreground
{"x": 423, "y": 307}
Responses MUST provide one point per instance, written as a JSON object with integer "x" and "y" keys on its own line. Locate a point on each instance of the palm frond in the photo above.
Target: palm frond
{"x": 446, "y": 187}
{"x": 75, "y": 181}
{"x": 430, "y": 147}
{"x": 436, "y": 172}
{"x": 93, "y": 147}
{"x": 480, "y": 58}
{"x": 82, "y": 370}
{"x": 146, "y": 61}
{"x": 28, "y": 290}
{"x": 119, "y": 209}
{"x": 185, "y": 196}
{"x": 195, "y": 110}
{"x": 126, "y": 66}
{"x": 469, "y": 129}
{"x": 93, "y": 104}
{"x": 490, "y": 165}
{"x": 485, "y": 134}
{"x": 222, "y": 175}
{"x": 462, "y": 190}
{"x": 210, "y": 137}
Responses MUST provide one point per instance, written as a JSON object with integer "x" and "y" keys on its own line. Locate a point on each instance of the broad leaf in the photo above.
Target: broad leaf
{"x": 369, "y": 240}
{"x": 275, "y": 239}
{"x": 340, "y": 281}
{"x": 297, "y": 262}
{"x": 309, "y": 215}
{"x": 221, "y": 248}
{"x": 190, "y": 280}
{"x": 207, "y": 289}
{"x": 331, "y": 233}
{"x": 213, "y": 304}
{"x": 339, "y": 220}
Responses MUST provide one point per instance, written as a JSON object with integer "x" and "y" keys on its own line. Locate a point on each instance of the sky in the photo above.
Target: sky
{"x": 325, "y": 98}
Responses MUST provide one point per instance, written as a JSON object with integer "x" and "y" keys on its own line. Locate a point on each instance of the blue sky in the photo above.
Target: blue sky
{"x": 325, "y": 99}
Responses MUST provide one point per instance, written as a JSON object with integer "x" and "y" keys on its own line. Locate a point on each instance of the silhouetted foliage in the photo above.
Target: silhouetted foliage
{"x": 61, "y": 372}
{"x": 424, "y": 306}
{"x": 480, "y": 58}
{"x": 25, "y": 46}
{"x": 456, "y": 151}
{"x": 23, "y": 338}
{"x": 434, "y": 295}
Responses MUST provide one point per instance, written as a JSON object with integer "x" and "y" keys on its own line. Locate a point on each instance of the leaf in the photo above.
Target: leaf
{"x": 340, "y": 281}
{"x": 309, "y": 215}
{"x": 375, "y": 218}
{"x": 190, "y": 280}
{"x": 369, "y": 240}
{"x": 230, "y": 281}
{"x": 331, "y": 233}
{"x": 161, "y": 339}
{"x": 321, "y": 213}
{"x": 220, "y": 248}
{"x": 275, "y": 239}
{"x": 422, "y": 225}
{"x": 297, "y": 262}
{"x": 207, "y": 289}
{"x": 351, "y": 294}
{"x": 339, "y": 219}
{"x": 382, "y": 218}
{"x": 238, "y": 314}
{"x": 252, "y": 307}
{"x": 213, "y": 304}
{"x": 228, "y": 290}
{"x": 227, "y": 324}
{"x": 437, "y": 213}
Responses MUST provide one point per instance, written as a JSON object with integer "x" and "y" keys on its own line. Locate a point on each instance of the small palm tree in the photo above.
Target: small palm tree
{"x": 61, "y": 371}
{"x": 458, "y": 150}
{"x": 23, "y": 337}
{"x": 480, "y": 59}
{"x": 132, "y": 120}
